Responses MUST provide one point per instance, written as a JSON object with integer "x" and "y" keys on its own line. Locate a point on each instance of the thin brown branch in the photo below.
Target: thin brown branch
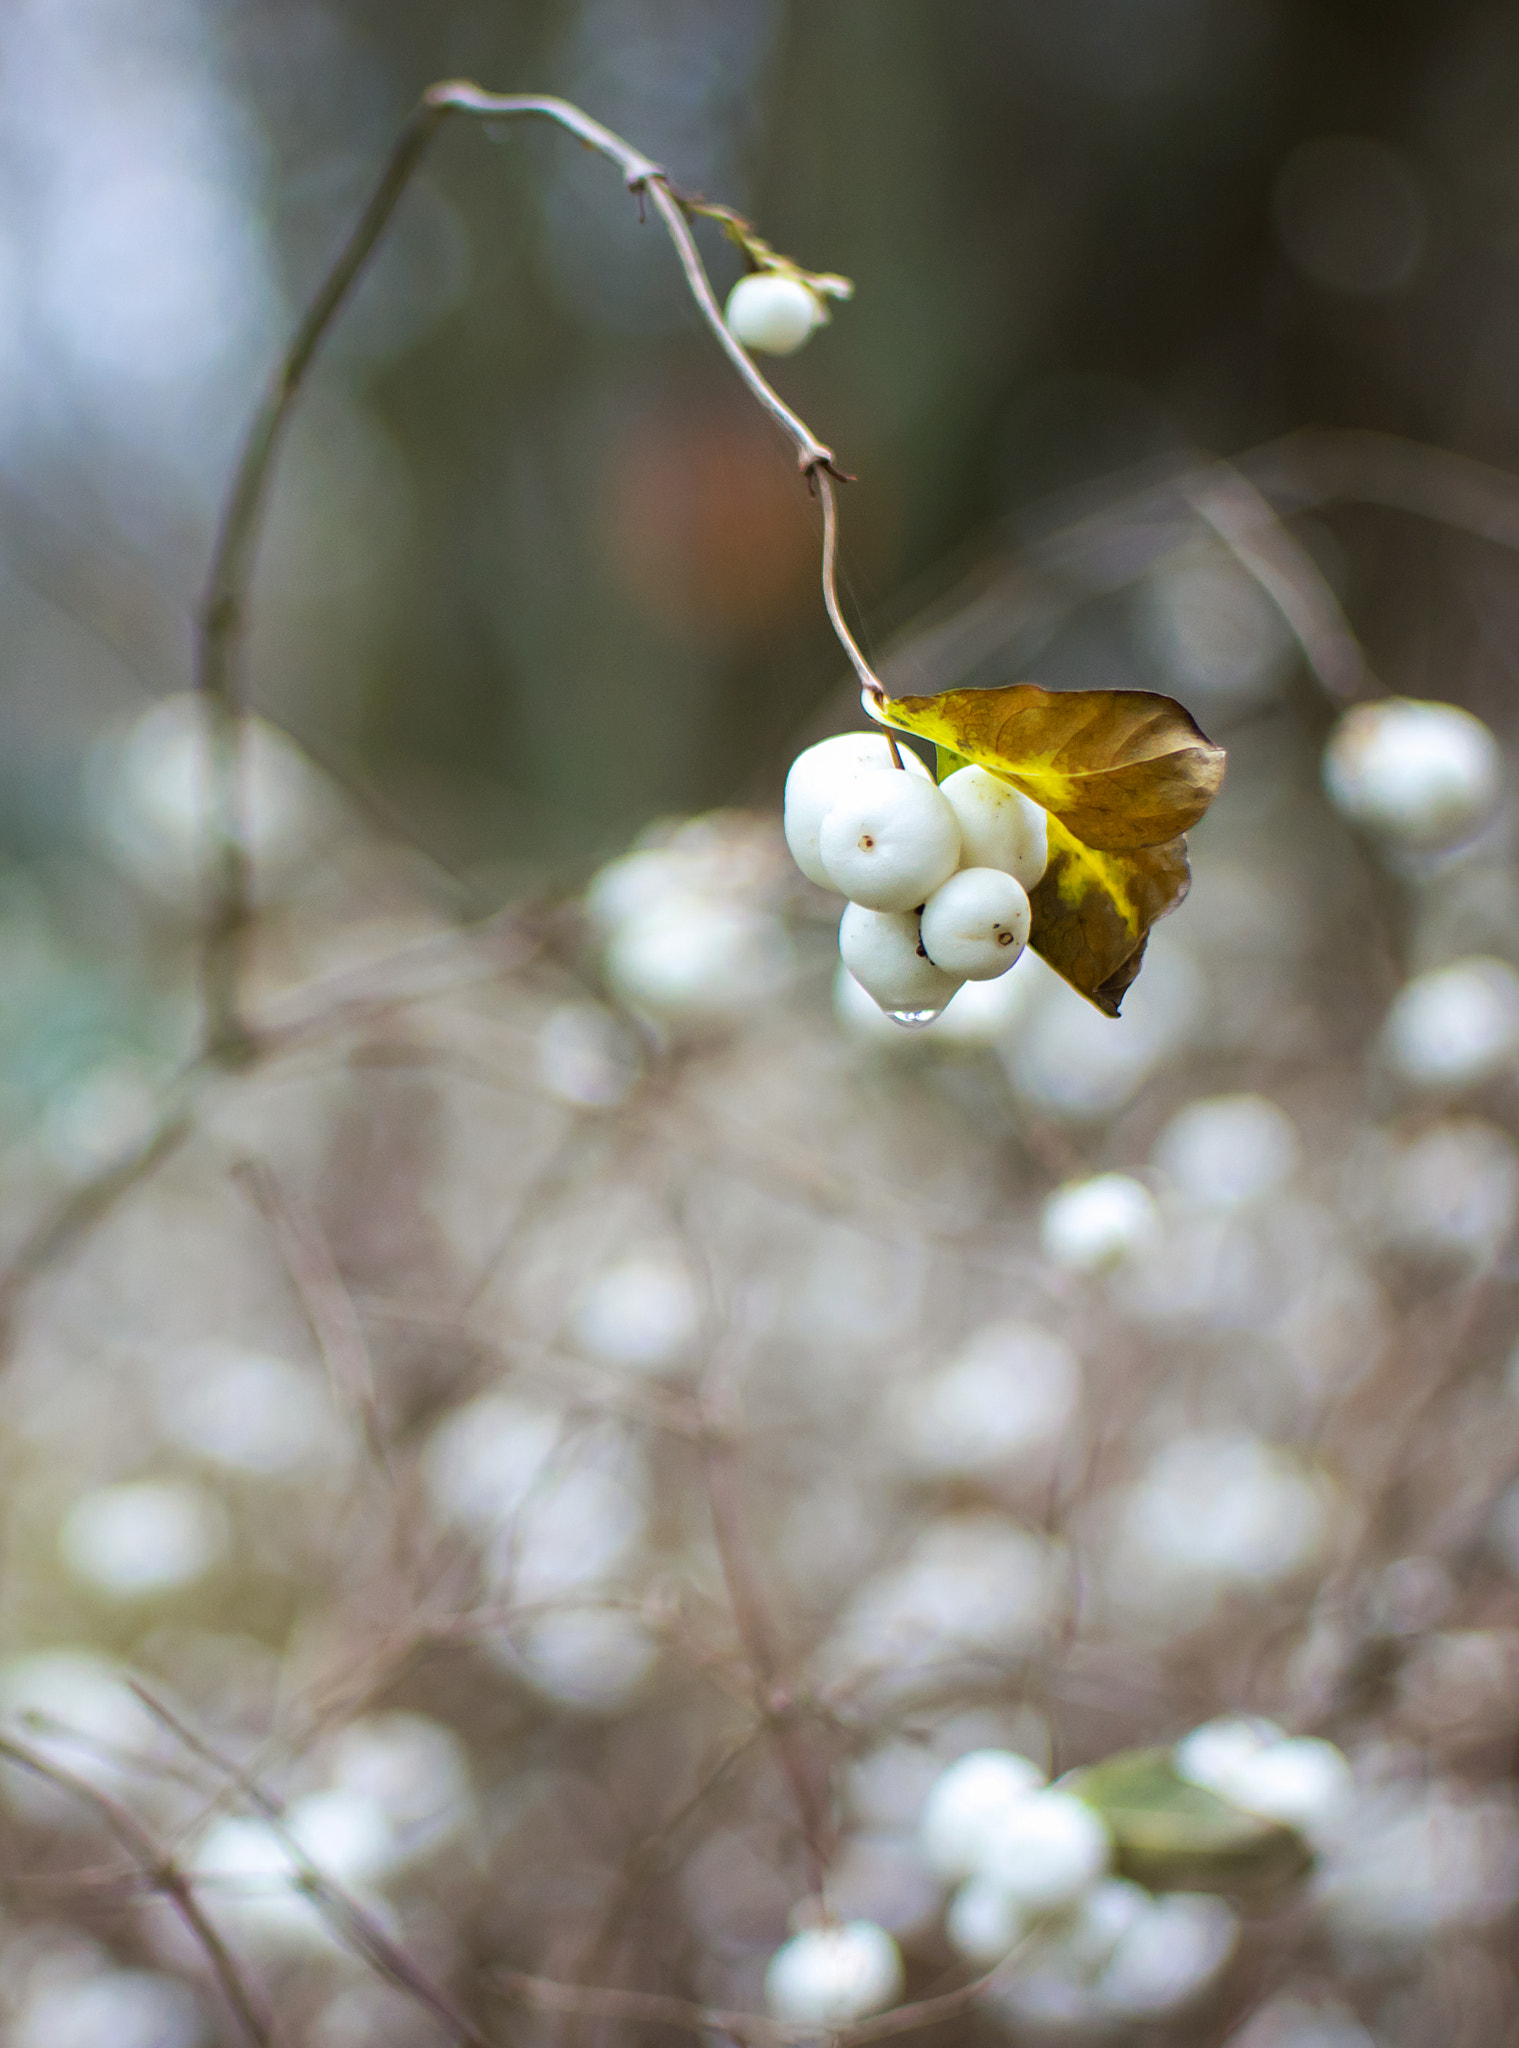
{"x": 325, "y": 1302}
{"x": 545, "y": 1994}
{"x": 347, "y": 1916}
{"x": 161, "y": 1874}
{"x": 773, "y": 1700}
{"x": 1264, "y": 548}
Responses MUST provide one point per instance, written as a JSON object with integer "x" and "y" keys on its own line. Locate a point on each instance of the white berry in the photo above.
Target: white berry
{"x": 1048, "y": 1850}
{"x": 983, "y": 1923}
{"x": 820, "y": 776}
{"x": 1090, "y": 1224}
{"x": 880, "y": 949}
{"x": 829, "y": 1976}
{"x": 889, "y": 841}
{"x": 772, "y": 313}
{"x": 976, "y": 923}
{"x": 1425, "y": 774}
{"x": 968, "y": 1804}
{"x": 999, "y": 826}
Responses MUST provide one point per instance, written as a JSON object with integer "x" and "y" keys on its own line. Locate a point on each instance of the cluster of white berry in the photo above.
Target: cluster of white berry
{"x": 937, "y": 875}
{"x": 1299, "y": 1780}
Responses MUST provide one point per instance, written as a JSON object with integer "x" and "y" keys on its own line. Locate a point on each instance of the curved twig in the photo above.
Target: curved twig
{"x": 222, "y": 614}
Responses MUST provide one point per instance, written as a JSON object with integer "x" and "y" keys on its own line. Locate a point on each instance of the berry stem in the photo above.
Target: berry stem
{"x": 221, "y": 617}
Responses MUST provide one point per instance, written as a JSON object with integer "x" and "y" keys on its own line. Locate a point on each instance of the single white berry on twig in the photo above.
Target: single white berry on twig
{"x": 820, "y": 776}
{"x": 976, "y": 924}
{"x": 828, "y": 1976}
{"x": 881, "y": 950}
{"x": 772, "y": 313}
{"x": 999, "y": 826}
{"x": 889, "y": 841}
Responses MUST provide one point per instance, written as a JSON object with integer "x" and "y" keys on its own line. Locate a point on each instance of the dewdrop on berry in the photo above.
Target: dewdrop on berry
{"x": 889, "y": 841}
{"x": 967, "y": 1805}
{"x": 820, "y": 776}
{"x": 773, "y": 313}
{"x": 1047, "y": 1850}
{"x": 830, "y": 1976}
{"x": 880, "y": 949}
{"x": 999, "y": 826}
{"x": 976, "y": 924}
{"x": 1424, "y": 774}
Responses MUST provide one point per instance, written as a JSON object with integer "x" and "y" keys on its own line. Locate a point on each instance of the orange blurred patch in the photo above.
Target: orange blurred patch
{"x": 707, "y": 523}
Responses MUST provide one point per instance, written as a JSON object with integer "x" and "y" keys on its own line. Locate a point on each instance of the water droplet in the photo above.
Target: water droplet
{"x": 914, "y": 1020}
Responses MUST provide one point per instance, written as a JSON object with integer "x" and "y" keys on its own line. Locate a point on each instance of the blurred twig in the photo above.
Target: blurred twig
{"x": 163, "y": 1875}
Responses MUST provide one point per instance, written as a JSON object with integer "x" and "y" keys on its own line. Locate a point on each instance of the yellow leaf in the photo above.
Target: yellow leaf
{"x": 1092, "y": 912}
{"x": 1119, "y": 768}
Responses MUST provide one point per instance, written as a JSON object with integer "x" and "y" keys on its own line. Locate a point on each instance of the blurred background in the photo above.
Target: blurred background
{"x": 597, "y": 1420}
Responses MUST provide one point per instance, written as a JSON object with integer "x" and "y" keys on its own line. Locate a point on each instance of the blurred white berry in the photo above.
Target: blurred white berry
{"x": 1424, "y": 774}
{"x": 999, "y": 826}
{"x": 691, "y": 960}
{"x": 819, "y": 777}
{"x": 889, "y": 841}
{"x": 1457, "y": 1026}
{"x": 128, "y": 2008}
{"x": 772, "y": 313}
{"x": 1006, "y": 1397}
{"x": 640, "y": 1314}
{"x": 976, "y": 923}
{"x": 1173, "y": 1950}
{"x": 1228, "y": 1150}
{"x": 154, "y": 798}
{"x": 985, "y": 1013}
{"x": 129, "y": 1542}
{"x": 829, "y": 1976}
{"x": 1047, "y": 1850}
{"x": 77, "y": 1710}
{"x": 983, "y": 1922}
{"x": 1212, "y": 1755}
{"x": 1089, "y": 1224}
{"x": 1299, "y": 1780}
{"x": 880, "y": 949}
{"x": 970, "y": 1803}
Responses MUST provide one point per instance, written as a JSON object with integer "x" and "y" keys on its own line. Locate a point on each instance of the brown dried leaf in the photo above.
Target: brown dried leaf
{"x": 1093, "y": 910}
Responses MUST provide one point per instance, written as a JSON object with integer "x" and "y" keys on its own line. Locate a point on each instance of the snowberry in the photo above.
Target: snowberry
{"x": 1425, "y": 774}
{"x": 999, "y": 826}
{"x": 1299, "y": 1780}
{"x": 1455, "y": 1026}
{"x": 880, "y": 949}
{"x": 889, "y": 841}
{"x": 829, "y": 1976}
{"x": 1088, "y": 1224}
{"x": 976, "y": 923}
{"x": 983, "y": 1923}
{"x": 1214, "y": 1754}
{"x": 969, "y": 1802}
{"x": 1173, "y": 1949}
{"x": 820, "y": 776}
{"x": 1048, "y": 1850}
{"x": 773, "y": 313}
